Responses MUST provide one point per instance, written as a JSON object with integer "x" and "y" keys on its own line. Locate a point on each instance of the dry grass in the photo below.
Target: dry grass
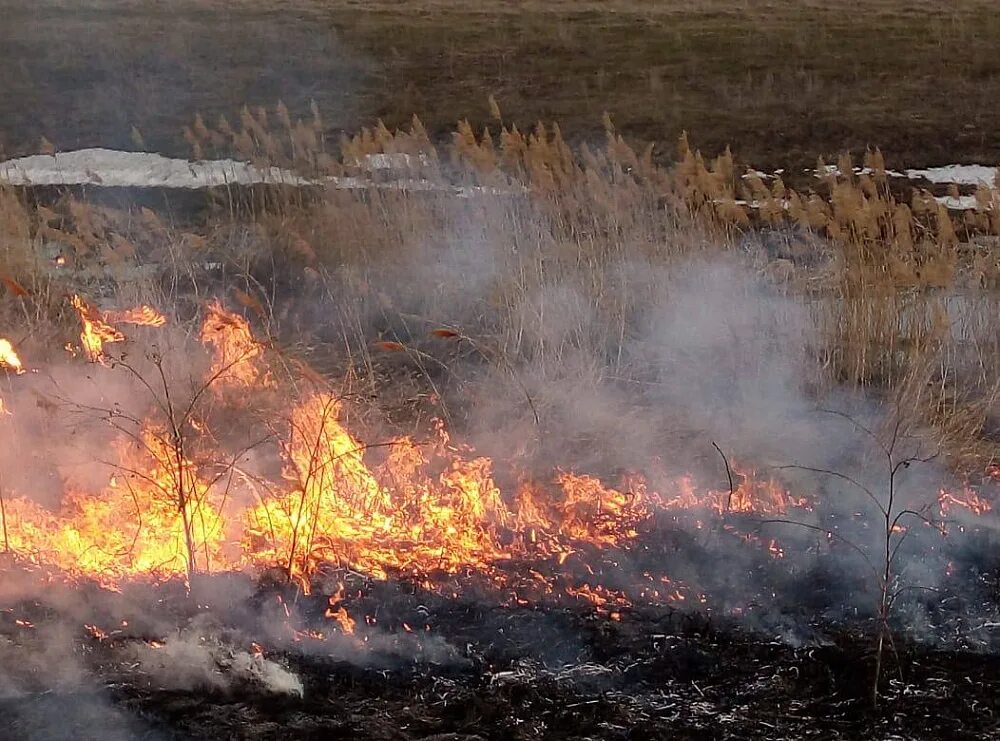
{"x": 547, "y": 268}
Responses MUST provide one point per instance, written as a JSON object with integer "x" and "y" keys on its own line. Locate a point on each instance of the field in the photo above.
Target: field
{"x": 552, "y": 370}
{"x": 779, "y": 82}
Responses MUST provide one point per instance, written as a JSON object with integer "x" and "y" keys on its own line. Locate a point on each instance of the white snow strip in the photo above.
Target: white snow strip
{"x": 394, "y": 161}
{"x": 834, "y": 170}
{"x": 110, "y": 168}
{"x": 114, "y": 169}
{"x": 957, "y": 174}
{"x": 961, "y": 203}
{"x": 946, "y": 175}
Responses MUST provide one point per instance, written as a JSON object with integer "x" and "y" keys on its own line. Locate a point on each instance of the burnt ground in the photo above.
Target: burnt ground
{"x": 781, "y": 653}
{"x": 651, "y": 676}
{"x": 782, "y": 81}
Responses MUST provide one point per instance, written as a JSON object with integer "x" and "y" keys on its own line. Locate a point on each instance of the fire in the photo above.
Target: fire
{"x": 396, "y": 517}
{"x": 346, "y": 622}
{"x": 95, "y": 332}
{"x": 338, "y": 612}
{"x": 398, "y": 507}
{"x": 601, "y": 597}
{"x": 236, "y": 350}
{"x": 136, "y": 525}
{"x": 143, "y": 316}
{"x": 96, "y": 632}
{"x": 966, "y": 498}
{"x": 752, "y": 494}
{"x": 99, "y": 329}
{"x": 9, "y": 358}
{"x": 433, "y": 511}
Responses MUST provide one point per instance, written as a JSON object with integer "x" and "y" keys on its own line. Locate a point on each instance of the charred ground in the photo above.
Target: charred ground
{"x": 443, "y": 667}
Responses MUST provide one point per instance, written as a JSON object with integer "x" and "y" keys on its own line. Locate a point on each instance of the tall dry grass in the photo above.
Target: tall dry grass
{"x": 542, "y": 258}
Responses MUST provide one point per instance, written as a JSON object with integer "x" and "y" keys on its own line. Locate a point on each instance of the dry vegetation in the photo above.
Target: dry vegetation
{"x": 902, "y": 295}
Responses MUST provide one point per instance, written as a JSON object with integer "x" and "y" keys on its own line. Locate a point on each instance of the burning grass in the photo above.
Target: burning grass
{"x": 549, "y": 379}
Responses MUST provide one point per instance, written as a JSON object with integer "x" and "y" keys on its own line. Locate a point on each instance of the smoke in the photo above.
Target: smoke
{"x": 49, "y": 690}
{"x": 618, "y": 362}
{"x": 605, "y": 364}
{"x": 190, "y": 661}
{"x": 62, "y": 420}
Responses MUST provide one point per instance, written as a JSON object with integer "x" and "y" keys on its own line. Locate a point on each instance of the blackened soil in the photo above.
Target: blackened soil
{"x": 461, "y": 669}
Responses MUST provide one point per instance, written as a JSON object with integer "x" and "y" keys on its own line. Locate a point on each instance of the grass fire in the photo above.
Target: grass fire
{"x": 355, "y": 423}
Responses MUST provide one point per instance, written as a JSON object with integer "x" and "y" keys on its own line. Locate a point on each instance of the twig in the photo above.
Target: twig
{"x": 729, "y": 475}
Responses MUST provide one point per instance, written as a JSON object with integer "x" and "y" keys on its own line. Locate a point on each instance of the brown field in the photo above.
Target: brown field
{"x": 780, "y": 82}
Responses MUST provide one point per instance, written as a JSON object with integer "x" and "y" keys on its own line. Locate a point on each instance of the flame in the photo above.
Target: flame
{"x": 398, "y": 517}
{"x": 237, "y": 352}
{"x": 9, "y": 358}
{"x": 136, "y": 525}
{"x": 143, "y": 316}
{"x": 98, "y": 327}
{"x": 752, "y": 494}
{"x": 966, "y": 498}
{"x": 95, "y": 332}
{"x": 398, "y": 507}
{"x": 338, "y": 612}
{"x": 431, "y": 510}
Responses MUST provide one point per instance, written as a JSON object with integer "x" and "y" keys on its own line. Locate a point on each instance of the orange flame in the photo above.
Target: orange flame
{"x": 236, "y": 351}
{"x": 965, "y": 499}
{"x": 338, "y": 612}
{"x": 426, "y": 510}
{"x": 9, "y": 358}
{"x": 422, "y": 509}
{"x": 144, "y": 316}
{"x": 135, "y": 526}
{"x": 95, "y": 332}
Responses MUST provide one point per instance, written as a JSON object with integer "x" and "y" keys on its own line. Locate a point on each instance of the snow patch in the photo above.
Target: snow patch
{"x": 109, "y": 168}
{"x": 391, "y": 161}
{"x": 113, "y": 169}
{"x": 960, "y": 203}
{"x": 957, "y": 174}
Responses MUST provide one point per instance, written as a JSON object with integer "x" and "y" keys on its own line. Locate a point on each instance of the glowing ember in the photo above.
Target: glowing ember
{"x": 963, "y": 499}
{"x": 96, "y": 632}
